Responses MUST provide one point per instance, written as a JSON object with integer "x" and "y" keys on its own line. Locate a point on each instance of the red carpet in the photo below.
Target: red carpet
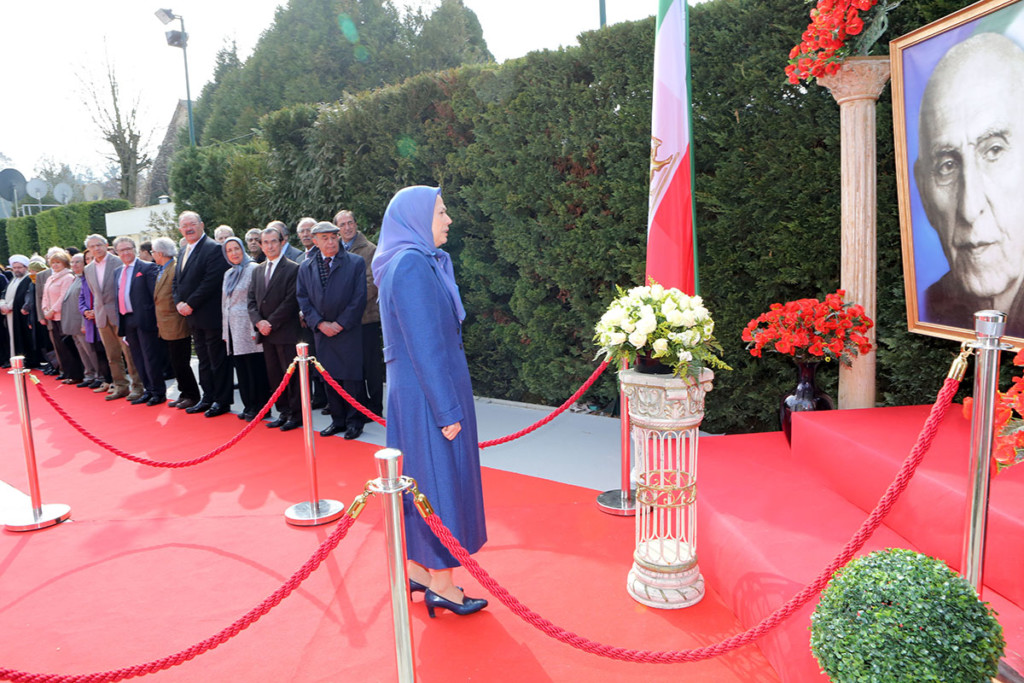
{"x": 154, "y": 561}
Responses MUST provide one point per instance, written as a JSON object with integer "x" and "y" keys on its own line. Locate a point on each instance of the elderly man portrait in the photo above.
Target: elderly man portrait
{"x": 99, "y": 276}
{"x": 136, "y": 281}
{"x": 970, "y": 175}
{"x": 354, "y": 241}
{"x": 172, "y": 326}
{"x": 198, "y": 276}
{"x": 332, "y": 296}
{"x": 18, "y": 308}
{"x": 274, "y": 312}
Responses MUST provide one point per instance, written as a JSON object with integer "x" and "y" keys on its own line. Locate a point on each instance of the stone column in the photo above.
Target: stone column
{"x": 856, "y": 87}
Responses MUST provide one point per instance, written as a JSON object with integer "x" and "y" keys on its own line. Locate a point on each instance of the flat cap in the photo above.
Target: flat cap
{"x": 324, "y": 226}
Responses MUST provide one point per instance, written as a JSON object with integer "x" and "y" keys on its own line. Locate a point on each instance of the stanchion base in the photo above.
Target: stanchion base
{"x": 665, "y": 590}
{"x": 28, "y": 520}
{"x": 613, "y": 503}
{"x": 303, "y": 514}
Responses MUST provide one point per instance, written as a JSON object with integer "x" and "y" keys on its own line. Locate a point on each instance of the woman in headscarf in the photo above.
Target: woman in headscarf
{"x": 431, "y": 417}
{"x": 246, "y": 352}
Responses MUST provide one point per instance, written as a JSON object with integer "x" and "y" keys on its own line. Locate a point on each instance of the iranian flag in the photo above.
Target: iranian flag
{"x": 671, "y": 237}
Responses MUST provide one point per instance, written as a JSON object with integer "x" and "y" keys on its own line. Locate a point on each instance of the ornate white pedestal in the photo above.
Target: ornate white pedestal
{"x": 665, "y": 413}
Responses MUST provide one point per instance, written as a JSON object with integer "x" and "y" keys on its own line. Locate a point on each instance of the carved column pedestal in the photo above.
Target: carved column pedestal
{"x": 856, "y": 87}
{"x": 665, "y": 413}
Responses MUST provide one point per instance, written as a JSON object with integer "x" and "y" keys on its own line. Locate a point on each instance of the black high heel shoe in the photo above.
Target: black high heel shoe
{"x": 416, "y": 587}
{"x": 469, "y": 605}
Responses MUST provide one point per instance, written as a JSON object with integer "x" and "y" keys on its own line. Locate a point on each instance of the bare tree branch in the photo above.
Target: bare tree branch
{"x": 119, "y": 126}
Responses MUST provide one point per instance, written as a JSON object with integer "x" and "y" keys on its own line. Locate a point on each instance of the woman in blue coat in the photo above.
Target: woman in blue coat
{"x": 431, "y": 418}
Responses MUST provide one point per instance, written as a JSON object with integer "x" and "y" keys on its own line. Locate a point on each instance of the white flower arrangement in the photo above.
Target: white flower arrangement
{"x": 662, "y": 323}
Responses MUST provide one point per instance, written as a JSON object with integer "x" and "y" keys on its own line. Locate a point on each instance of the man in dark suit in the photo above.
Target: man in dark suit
{"x": 288, "y": 250}
{"x": 135, "y": 280}
{"x": 332, "y": 296}
{"x": 197, "y": 284}
{"x": 274, "y": 311}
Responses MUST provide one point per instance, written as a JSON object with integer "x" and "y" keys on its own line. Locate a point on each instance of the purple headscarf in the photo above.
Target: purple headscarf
{"x": 408, "y": 224}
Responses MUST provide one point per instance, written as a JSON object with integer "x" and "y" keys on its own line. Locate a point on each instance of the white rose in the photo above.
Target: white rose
{"x": 685, "y": 356}
{"x": 616, "y": 339}
{"x": 627, "y": 326}
{"x": 638, "y": 339}
{"x": 668, "y": 306}
{"x": 647, "y": 324}
{"x": 657, "y": 291}
{"x": 674, "y": 318}
{"x": 639, "y": 292}
{"x": 687, "y": 319}
{"x": 660, "y": 347}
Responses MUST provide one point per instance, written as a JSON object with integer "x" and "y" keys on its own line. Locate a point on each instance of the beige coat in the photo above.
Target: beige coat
{"x": 171, "y": 324}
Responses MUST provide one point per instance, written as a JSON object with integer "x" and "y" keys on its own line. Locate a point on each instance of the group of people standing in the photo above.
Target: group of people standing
{"x": 245, "y": 306}
{"x": 122, "y": 321}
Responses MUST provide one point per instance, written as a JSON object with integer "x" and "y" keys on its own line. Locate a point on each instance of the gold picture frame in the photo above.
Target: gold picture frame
{"x": 938, "y": 301}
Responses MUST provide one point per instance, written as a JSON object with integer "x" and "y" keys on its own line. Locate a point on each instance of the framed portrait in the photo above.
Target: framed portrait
{"x": 958, "y": 117}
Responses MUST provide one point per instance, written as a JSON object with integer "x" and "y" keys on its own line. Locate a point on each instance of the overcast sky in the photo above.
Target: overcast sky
{"x": 52, "y": 48}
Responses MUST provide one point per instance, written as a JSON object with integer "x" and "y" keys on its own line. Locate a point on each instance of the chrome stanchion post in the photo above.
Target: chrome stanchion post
{"x": 390, "y": 485}
{"x": 40, "y": 516}
{"x": 988, "y": 327}
{"x": 314, "y": 511}
{"x": 621, "y": 501}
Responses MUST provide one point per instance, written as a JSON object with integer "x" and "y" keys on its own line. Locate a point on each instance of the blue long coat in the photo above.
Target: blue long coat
{"x": 343, "y": 301}
{"x": 428, "y": 388}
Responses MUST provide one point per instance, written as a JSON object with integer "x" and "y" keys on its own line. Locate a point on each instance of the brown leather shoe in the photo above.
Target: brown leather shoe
{"x": 185, "y": 403}
{"x": 102, "y": 388}
{"x": 116, "y": 394}
{"x": 135, "y": 395}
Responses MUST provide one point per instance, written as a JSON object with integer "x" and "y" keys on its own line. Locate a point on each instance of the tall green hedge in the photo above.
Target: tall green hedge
{"x": 544, "y": 162}
{"x": 63, "y": 226}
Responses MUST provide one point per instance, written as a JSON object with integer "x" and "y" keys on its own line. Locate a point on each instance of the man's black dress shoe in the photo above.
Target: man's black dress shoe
{"x": 156, "y": 400}
{"x": 96, "y": 384}
{"x": 144, "y": 398}
{"x": 332, "y": 429}
{"x": 217, "y": 409}
{"x": 318, "y": 405}
{"x": 353, "y": 431}
{"x": 290, "y": 425}
{"x": 84, "y": 383}
{"x": 275, "y": 424}
{"x": 249, "y": 415}
{"x": 200, "y": 407}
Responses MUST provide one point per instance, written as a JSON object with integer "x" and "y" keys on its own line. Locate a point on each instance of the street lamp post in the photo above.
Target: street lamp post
{"x": 180, "y": 39}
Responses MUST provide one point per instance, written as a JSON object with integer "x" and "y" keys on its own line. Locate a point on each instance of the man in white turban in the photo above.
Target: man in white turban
{"x": 17, "y": 305}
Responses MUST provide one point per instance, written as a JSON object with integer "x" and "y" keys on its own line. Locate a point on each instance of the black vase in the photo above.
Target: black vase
{"x": 651, "y": 366}
{"x": 807, "y": 396}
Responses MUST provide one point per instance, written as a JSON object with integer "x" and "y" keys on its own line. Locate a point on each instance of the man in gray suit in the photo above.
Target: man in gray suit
{"x": 100, "y": 276}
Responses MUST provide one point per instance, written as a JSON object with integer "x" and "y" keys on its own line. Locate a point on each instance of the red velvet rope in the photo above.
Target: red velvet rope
{"x": 873, "y": 521}
{"x": 153, "y": 463}
{"x": 483, "y": 444}
{"x": 250, "y": 618}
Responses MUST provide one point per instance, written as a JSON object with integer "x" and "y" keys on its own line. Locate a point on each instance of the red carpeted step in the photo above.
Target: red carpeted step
{"x": 767, "y": 528}
{"x": 857, "y": 452}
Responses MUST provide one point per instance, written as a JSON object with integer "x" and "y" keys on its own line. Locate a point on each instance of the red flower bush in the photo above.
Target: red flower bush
{"x": 1008, "y": 422}
{"x": 809, "y": 329}
{"x": 823, "y": 45}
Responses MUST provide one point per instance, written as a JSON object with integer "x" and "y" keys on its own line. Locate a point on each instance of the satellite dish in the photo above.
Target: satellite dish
{"x": 12, "y": 185}
{"x": 93, "y": 192}
{"x": 62, "y": 193}
{"x": 37, "y": 188}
